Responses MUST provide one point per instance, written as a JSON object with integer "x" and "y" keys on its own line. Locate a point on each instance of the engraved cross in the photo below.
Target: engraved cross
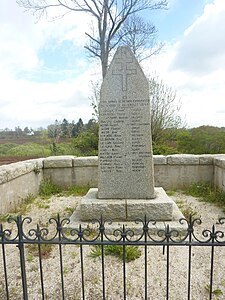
{"x": 124, "y": 66}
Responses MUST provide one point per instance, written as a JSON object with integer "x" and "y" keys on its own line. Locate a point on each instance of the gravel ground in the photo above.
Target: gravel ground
{"x": 41, "y": 210}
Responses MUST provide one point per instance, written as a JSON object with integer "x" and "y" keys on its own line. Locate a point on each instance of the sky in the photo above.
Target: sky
{"x": 46, "y": 74}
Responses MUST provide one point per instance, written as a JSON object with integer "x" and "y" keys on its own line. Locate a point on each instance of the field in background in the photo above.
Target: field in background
{"x": 34, "y": 147}
{"x": 5, "y": 160}
{"x": 19, "y": 141}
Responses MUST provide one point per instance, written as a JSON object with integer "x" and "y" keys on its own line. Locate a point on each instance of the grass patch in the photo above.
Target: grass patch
{"x": 21, "y": 209}
{"x": 171, "y": 192}
{"x": 186, "y": 210}
{"x": 25, "y": 204}
{"x": 216, "y": 292}
{"x": 5, "y": 217}
{"x": 33, "y": 251}
{"x": 76, "y": 190}
{"x": 48, "y": 188}
{"x": 69, "y": 210}
{"x": 43, "y": 205}
{"x": 131, "y": 252}
{"x": 206, "y": 192}
{"x": 42, "y": 202}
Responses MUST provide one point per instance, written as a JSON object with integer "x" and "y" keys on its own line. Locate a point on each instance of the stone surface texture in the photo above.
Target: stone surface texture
{"x": 58, "y": 161}
{"x": 183, "y": 159}
{"x": 91, "y": 207}
{"x": 159, "y": 209}
{"x": 89, "y": 161}
{"x": 125, "y": 148}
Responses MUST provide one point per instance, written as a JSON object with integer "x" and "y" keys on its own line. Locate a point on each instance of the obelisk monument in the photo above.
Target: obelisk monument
{"x": 125, "y": 146}
{"x": 125, "y": 160}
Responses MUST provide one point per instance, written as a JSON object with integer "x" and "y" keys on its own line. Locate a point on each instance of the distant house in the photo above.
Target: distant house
{"x": 30, "y": 133}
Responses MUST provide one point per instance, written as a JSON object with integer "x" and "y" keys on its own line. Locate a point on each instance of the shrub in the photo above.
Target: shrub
{"x": 206, "y": 192}
{"x": 48, "y": 188}
{"x": 131, "y": 252}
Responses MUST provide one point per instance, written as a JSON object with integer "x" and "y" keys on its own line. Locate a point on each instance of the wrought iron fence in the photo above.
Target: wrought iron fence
{"x": 20, "y": 233}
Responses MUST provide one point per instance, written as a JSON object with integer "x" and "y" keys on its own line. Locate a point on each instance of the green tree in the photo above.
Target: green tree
{"x": 65, "y": 128}
{"x": 202, "y": 140}
{"x": 184, "y": 141}
{"x": 80, "y": 126}
{"x": 87, "y": 141}
{"x": 54, "y": 133}
{"x": 26, "y": 130}
{"x": 18, "y": 131}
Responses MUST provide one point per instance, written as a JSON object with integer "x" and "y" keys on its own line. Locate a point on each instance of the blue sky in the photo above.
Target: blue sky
{"x": 45, "y": 72}
{"x": 179, "y": 16}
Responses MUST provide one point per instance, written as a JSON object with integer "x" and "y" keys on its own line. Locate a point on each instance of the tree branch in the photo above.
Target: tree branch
{"x": 92, "y": 51}
{"x": 92, "y": 38}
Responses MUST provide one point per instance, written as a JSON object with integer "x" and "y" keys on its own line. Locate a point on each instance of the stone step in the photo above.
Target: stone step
{"x": 159, "y": 209}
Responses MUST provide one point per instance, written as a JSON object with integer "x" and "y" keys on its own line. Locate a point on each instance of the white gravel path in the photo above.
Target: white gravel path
{"x": 113, "y": 266}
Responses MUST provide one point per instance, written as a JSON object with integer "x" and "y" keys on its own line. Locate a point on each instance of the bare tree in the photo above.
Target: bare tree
{"x": 164, "y": 109}
{"x": 109, "y": 17}
{"x": 95, "y": 97}
{"x": 140, "y": 36}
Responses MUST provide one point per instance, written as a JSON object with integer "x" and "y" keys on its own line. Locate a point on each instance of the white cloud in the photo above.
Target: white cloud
{"x": 40, "y": 104}
{"x": 195, "y": 68}
{"x": 202, "y": 48}
{"x": 28, "y": 103}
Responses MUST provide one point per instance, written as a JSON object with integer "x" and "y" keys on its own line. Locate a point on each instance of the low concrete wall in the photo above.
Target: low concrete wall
{"x": 174, "y": 171}
{"x": 17, "y": 181}
{"x": 180, "y": 170}
{"x": 70, "y": 170}
{"x": 219, "y": 172}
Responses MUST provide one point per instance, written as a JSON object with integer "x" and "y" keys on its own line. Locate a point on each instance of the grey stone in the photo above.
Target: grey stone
{"x": 218, "y": 162}
{"x": 160, "y": 160}
{"x": 15, "y": 170}
{"x": 183, "y": 159}
{"x": 85, "y": 161}
{"x": 3, "y": 174}
{"x": 91, "y": 207}
{"x": 205, "y": 159}
{"x": 58, "y": 162}
{"x": 34, "y": 164}
{"x": 159, "y": 209}
{"x": 125, "y": 148}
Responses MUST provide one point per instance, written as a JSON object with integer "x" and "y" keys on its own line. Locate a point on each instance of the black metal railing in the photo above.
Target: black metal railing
{"x": 20, "y": 233}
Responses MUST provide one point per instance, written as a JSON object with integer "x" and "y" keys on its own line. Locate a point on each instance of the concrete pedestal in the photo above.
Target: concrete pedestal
{"x": 159, "y": 209}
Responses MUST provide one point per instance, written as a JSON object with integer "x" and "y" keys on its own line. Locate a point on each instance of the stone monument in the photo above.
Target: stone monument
{"x": 125, "y": 173}
{"x": 125, "y": 147}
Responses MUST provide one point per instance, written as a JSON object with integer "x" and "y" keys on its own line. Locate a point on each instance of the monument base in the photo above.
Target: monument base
{"x": 159, "y": 209}
{"x": 91, "y": 208}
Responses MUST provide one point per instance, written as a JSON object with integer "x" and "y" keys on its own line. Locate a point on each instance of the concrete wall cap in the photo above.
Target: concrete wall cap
{"x": 160, "y": 159}
{"x": 65, "y": 161}
{"x": 220, "y": 162}
{"x": 3, "y": 174}
{"x": 15, "y": 170}
{"x": 33, "y": 164}
{"x": 206, "y": 159}
{"x": 183, "y": 159}
{"x": 86, "y": 161}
